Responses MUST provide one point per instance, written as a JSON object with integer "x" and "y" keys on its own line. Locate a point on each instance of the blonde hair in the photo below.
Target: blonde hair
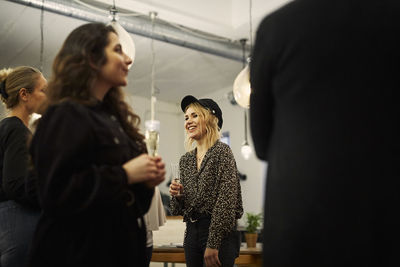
{"x": 211, "y": 127}
{"x": 15, "y": 79}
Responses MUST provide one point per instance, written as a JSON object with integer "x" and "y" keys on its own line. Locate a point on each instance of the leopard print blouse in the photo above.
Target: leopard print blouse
{"x": 214, "y": 189}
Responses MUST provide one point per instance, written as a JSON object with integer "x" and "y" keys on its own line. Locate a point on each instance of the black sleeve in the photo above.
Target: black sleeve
{"x": 261, "y": 102}
{"x": 177, "y": 204}
{"x": 143, "y": 197}
{"x": 69, "y": 180}
{"x": 19, "y": 180}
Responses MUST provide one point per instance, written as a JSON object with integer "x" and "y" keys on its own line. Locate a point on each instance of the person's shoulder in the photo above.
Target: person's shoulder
{"x": 12, "y": 128}
{"x": 65, "y": 113}
{"x": 12, "y": 125}
{"x": 280, "y": 11}
{"x": 66, "y": 109}
{"x": 12, "y": 122}
{"x": 222, "y": 149}
{"x": 187, "y": 155}
{"x": 221, "y": 145}
{"x": 290, "y": 11}
{"x": 68, "y": 105}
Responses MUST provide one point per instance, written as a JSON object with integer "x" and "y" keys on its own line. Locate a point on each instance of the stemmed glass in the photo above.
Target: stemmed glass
{"x": 176, "y": 177}
{"x": 152, "y": 136}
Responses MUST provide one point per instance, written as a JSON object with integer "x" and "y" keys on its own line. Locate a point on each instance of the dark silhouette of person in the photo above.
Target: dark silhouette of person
{"x": 322, "y": 115}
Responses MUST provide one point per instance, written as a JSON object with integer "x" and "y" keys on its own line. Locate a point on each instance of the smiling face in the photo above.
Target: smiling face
{"x": 194, "y": 124}
{"x": 115, "y": 71}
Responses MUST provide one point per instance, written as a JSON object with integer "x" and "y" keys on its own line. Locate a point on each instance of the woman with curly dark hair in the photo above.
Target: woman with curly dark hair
{"x": 95, "y": 178}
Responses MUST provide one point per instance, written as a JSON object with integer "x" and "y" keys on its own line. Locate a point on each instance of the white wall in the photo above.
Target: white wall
{"x": 171, "y": 130}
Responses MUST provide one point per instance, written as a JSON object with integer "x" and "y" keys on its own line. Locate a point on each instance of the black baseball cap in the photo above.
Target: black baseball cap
{"x": 206, "y": 103}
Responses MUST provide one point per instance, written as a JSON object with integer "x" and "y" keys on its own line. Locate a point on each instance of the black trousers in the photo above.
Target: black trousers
{"x": 149, "y": 253}
{"x": 196, "y": 240}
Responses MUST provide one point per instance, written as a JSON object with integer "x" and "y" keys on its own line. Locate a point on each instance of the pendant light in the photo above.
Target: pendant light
{"x": 153, "y": 98}
{"x": 241, "y": 85}
{"x": 246, "y": 149}
{"x": 242, "y": 97}
{"x": 152, "y": 126}
{"x": 125, "y": 38}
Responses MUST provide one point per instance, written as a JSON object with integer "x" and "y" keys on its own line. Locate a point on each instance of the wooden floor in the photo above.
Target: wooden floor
{"x": 247, "y": 257}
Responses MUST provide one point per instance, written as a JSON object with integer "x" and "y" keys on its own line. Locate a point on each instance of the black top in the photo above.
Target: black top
{"x": 323, "y": 114}
{"x": 214, "y": 189}
{"x": 78, "y": 152}
{"x": 17, "y": 179}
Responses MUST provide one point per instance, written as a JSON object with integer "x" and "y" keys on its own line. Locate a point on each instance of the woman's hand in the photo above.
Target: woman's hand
{"x": 211, "y": 257}
{"x": 160, "y": 173}
{"x": 150, "y": 170}
{"x": 175, "y": 188}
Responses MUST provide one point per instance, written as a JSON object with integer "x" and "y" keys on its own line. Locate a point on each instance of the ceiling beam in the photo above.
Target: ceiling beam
{"x": 142, "y": 25}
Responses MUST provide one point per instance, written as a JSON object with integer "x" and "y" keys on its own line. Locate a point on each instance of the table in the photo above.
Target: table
{"x": 247, "y": 257}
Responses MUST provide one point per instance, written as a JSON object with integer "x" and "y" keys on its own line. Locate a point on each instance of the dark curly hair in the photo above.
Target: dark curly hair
{"x": 75, "y": 70}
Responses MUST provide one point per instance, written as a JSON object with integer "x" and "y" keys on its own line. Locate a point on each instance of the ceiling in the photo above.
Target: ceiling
{"x": 178, "y": 70}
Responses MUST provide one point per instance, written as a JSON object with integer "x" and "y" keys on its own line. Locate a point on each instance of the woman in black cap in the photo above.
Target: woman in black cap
{"x": 209, "y": 196}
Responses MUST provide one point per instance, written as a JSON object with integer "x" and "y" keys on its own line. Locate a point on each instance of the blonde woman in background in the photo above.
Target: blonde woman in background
{"x": 23, "y": 91}
{"x": 209, "y": 196}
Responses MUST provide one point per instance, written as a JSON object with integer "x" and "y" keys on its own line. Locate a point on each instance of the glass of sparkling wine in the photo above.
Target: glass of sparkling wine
{"x": 152, "y": 136}
{"x": 176, "y": 175}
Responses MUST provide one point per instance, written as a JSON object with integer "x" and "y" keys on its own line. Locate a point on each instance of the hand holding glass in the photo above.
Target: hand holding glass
{"x": 176, "y": 178}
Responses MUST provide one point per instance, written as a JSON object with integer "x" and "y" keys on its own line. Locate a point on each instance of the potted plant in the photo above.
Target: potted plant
{"x": 253, "y": 221}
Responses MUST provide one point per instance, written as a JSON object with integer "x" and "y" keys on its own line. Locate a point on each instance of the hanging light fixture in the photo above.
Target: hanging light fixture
{"x": 241, "y": 85}
{"x": 152, "y": 125}
{"x": 246, "y": 149}
{"x": 241, "y": 92}
{"x": 153, "y": 98}
{"x": 125, "y": 38}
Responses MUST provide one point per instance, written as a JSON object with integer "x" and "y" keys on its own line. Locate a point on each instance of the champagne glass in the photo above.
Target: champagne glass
{"x": 152, "y": 136}
{"x": 176, "y": 177}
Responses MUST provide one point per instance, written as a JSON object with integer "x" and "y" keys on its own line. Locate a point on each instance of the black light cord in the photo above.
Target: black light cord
{"x": 243, "y": 43}
{"x": 245, "y": 126}
{"x": 251, "y": 23}
{"x": 41, "y": 37}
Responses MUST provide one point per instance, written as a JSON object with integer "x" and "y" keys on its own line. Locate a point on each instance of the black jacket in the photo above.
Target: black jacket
{"x": 323, "y": 114}
{"x": 78, "y": 152}
{"x": 17, "y": 177}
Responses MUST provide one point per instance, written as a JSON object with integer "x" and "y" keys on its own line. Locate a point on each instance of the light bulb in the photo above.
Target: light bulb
{"x": 125, "y": 39}
{"x": 246, "y": 150}
{"x": 241, "y": 88}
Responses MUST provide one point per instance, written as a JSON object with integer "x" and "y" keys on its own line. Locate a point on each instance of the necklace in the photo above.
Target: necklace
{"x": 200, "y": 157}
